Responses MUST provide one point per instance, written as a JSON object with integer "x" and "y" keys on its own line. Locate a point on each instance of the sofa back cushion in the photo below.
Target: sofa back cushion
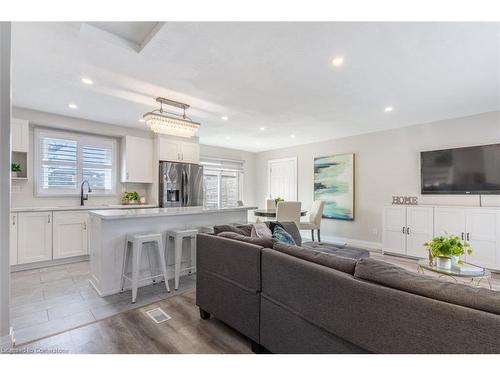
{"x": 259, "y": 241}
{"x": 395, "y": 277}
{"x": 244, "y": 230}
{"x": 338, "y": 263}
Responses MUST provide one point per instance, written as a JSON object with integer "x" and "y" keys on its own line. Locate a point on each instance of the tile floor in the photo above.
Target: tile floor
{"x": 54, "y": 299}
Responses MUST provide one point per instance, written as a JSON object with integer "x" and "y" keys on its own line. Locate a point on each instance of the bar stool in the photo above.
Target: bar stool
{"x": 178, "y": 237}
{"x": 138, "y": 241}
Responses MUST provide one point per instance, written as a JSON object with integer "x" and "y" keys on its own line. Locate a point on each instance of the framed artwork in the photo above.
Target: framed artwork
{"x": 334, "y": 185}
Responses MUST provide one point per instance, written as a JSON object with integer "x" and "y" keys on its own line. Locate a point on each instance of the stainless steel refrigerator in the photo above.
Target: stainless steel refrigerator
{"x": 181, "y": 184}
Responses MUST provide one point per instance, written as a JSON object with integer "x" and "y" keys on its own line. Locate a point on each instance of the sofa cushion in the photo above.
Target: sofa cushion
{"x": 340, "y": 250}
{"x": 261, "y": 230}
{"x": 281, "y": 235}
{"x": 259, "y": 241}
{"x": 336, "y": 262}
{"x": 290, "y": 227}
{"x": 244, "y": 230}
{"x": 396, "y": 277}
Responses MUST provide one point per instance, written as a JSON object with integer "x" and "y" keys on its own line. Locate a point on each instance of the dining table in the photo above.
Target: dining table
{"x": 271, "y": 212}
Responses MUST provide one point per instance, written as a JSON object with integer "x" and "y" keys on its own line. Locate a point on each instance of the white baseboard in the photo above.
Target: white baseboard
{"x": 7, "y": 341}
{"x": 369, "y": 245}
{"x": 48, "y": 263}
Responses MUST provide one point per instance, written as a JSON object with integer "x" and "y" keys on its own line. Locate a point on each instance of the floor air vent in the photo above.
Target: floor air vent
{"x": 158, "y": 315}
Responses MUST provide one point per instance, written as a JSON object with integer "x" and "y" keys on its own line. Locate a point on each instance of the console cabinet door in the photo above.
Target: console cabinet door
{"x": 34, "y": 237}
{"x": 448, "y": 221}
{"x": 419, "y": 229}
{"x": 394, "y": 229}
{"x": 13, "y": 238}
{"x": 482, "y": 234}
{"x": 70, "y": 234}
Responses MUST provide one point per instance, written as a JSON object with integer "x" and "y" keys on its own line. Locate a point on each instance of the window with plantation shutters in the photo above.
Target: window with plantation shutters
{"x": 64, "y": 160}
{"x": 223, "y": 182}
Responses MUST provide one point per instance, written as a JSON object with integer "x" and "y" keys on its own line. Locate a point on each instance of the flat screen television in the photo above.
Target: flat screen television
{"x": 466, "y": 170}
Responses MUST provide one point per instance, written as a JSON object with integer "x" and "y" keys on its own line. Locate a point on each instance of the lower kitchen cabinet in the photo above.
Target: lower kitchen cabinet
{"x": 34, "y": 237}
{"x": 70, "y": 234}
{"x": 13, "y": 239}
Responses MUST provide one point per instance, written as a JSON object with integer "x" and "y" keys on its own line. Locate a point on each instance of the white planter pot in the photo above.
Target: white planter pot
{"x": 14, "y": 174}
{"x": 442, "y": 262}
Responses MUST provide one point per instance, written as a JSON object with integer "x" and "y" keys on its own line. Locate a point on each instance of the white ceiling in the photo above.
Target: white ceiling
{"x": 273, "y": 75}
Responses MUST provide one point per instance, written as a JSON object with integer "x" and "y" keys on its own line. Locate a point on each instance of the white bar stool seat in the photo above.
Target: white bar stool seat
{"x": 178, "y": 237}
{"x": 138, "y": 241}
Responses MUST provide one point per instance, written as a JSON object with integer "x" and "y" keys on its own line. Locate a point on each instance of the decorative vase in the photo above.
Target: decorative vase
{"x": 431, "y": 258}
{"x": 14, "y": 174}
{"x": 455, "y": 259}
{"x": 443, "y": 262}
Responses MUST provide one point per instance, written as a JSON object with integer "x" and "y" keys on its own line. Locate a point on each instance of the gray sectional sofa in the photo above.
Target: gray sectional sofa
{"x": 290, "y": 299}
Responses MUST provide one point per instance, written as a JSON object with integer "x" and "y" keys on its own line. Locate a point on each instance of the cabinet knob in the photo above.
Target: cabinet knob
{"x": 13, "y": 219}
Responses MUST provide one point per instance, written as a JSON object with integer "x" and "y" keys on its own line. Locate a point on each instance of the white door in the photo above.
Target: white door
{"x": 169, "y": 150}
{"x": 190, "y": 152}
{"x": 13, "y": 239}
{"x": 419, "y": 229}
{"x": 282, "y": 177}
{"x": 448, "y": 221}
{"x": 34, "y": 237}
{"x": 70, "y": 234}
{"x": 394, "y": 229}
{"x": 482, "y": 234}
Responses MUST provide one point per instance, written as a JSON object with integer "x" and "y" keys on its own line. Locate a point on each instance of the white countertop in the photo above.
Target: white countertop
{"x": 113, "y": 207}
{"x": 171, "y": 211}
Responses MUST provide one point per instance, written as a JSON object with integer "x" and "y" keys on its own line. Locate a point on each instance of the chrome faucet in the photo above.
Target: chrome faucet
{"x": 86, "y": 196}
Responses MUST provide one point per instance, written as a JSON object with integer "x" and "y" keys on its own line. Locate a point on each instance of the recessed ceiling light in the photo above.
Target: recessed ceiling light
{"x": 72, "y": 106}
{"x": 388, "y": 109}
{"x": 87, "y": 81}
{"x": 224, "y": 118}
{"x": 228, "y": 137}
{"x": 338, "y": 61}
{"x": 142, "y": 120}
{"x": 262, "y": 128}
{"x": 292, "y": 136}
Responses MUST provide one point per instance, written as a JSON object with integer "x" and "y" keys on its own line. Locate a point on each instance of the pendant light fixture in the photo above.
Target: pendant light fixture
{"x": 164, "y": 122}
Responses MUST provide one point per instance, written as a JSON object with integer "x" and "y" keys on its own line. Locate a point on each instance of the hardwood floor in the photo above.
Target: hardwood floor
{"x": 135, "y": 333}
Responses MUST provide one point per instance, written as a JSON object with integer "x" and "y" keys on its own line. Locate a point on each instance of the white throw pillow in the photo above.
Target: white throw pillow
{"x": 261, "y": 230}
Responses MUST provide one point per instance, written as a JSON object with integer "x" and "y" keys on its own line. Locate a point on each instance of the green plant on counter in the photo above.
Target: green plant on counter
{"x": 15, "y": 167}
{"x": 130, "y": 197}
{"x": 448, "y": 247}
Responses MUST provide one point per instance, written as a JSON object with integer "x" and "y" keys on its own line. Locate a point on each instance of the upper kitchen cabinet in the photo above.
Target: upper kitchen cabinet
{"x": 20, "y": 135}
{"x": 20, "y": 148}
{"x": 137, "y": 160}
{"x": 173, "y": 149}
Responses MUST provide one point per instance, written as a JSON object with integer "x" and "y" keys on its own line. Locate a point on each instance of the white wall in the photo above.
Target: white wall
{"x": 23, "y": 191}
{"x": 387, "y": 163}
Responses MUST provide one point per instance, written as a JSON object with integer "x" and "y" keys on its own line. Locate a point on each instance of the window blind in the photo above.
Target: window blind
{"x": 65, "y": 159}
{"x": 223, "y": 182}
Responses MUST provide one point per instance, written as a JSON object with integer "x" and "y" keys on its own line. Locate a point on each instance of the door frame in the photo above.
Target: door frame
{"x": 269, "y": 162}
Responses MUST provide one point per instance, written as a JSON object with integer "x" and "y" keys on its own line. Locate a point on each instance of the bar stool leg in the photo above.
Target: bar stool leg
{"x": 178, "y": 255}
{"x": 193, "y": 255}
{"x": 163, "y": 263}
{"x": 136, "y": 254}
{"x": 148, "y": 252}
{"x": 124, "y": 266}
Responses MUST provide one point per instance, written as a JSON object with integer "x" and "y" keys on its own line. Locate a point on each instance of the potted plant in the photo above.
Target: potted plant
{"x": 15, "y": 169}
{"x": 277, "y": 200}
{"x": 447, "y": 250}
{"x": 130, "y": 197}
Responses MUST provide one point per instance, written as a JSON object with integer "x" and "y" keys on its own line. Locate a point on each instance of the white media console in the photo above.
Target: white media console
{"x": 407, "y": 228}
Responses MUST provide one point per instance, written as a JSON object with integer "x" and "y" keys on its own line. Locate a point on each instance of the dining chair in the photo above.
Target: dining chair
{"x": 315, "y": 217}
{"x": 289, "y": 211}
{"x": 270, "y": 204}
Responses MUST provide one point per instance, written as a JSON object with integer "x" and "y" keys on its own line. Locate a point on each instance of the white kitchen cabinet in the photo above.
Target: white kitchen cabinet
{"x": 13, "y": 238}
{"x": 70, "y": 234}
{"x": 406, "y": 229}
{"x": 20, "y": 135}
{"x": 137, "y": 160}
{"x": 178, "y": 151}
{"x": 34, "y": 237}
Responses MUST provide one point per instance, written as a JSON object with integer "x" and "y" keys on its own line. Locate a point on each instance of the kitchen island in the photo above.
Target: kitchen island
{"x": 109, "y": 228}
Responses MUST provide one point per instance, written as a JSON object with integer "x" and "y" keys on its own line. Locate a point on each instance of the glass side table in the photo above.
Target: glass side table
{"x": 464, "y": 271}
